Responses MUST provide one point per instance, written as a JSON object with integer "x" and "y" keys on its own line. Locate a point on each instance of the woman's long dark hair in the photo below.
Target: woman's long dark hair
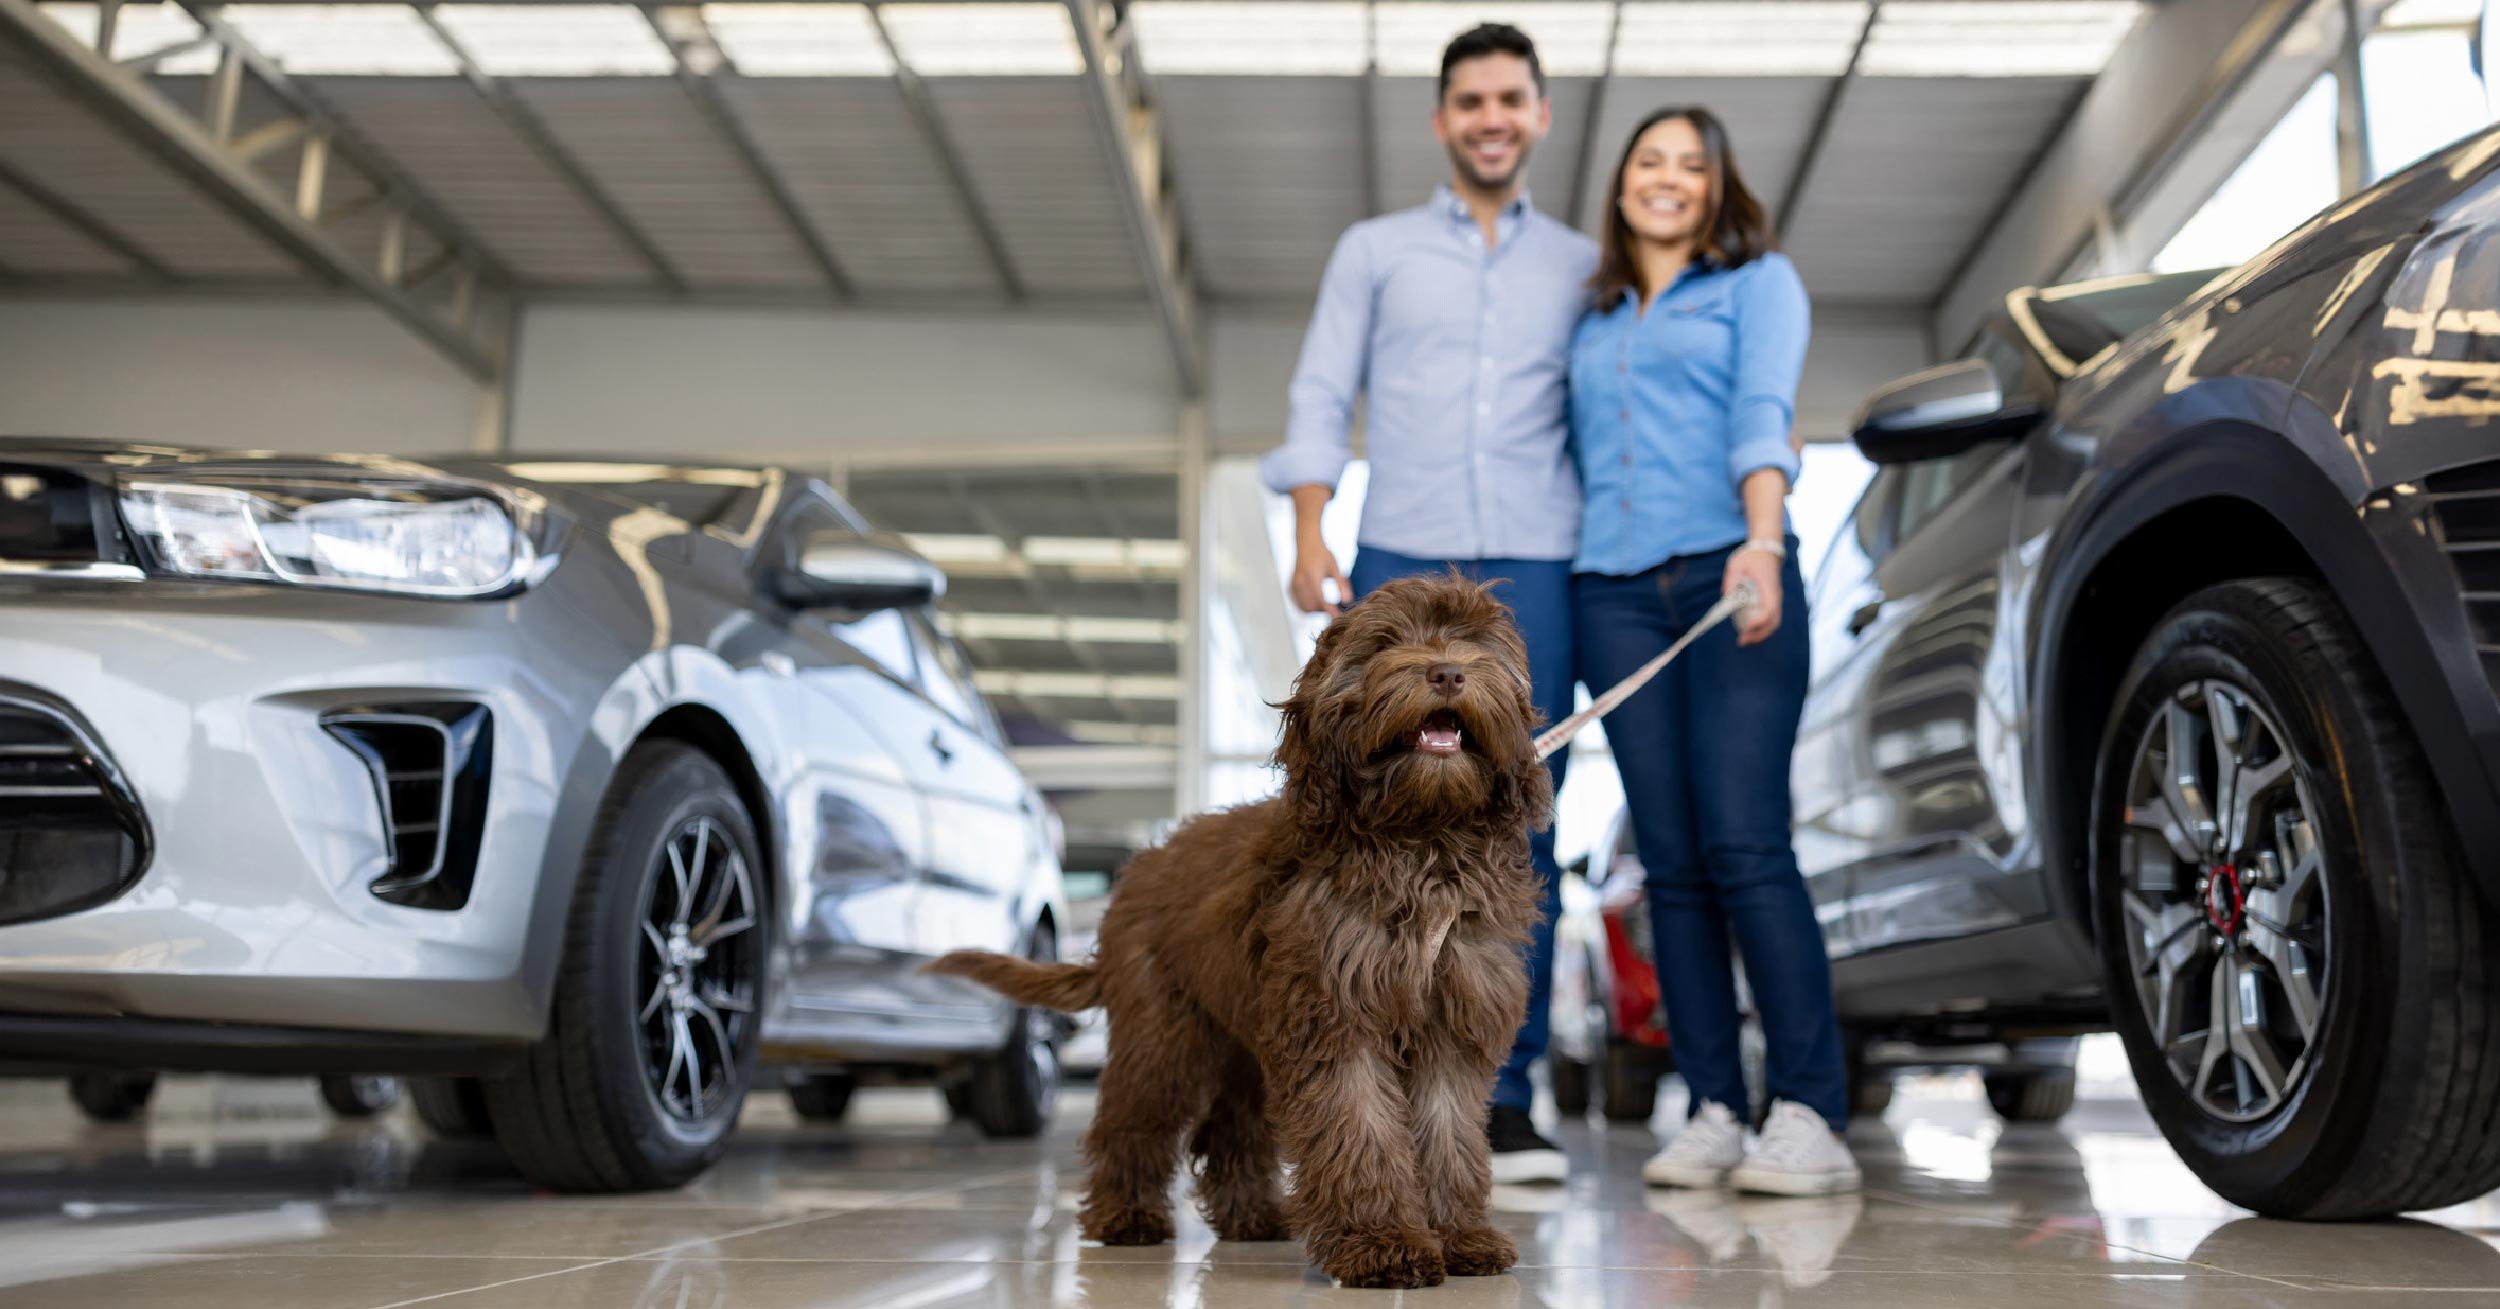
{"x": 1735, "y": 230}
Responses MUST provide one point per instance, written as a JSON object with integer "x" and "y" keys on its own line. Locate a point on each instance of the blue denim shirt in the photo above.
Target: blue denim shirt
{"x": 1462, "y": 354}
{"x": 1670, "y": 410}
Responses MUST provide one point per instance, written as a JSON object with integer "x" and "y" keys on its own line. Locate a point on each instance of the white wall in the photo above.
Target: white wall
{"x": 819, "y": 388}
{"x": 285, "y": 375}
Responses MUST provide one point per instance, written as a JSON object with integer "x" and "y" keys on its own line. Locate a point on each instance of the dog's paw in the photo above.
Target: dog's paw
{"x": 1478, "y": 1252}
{"x": 1388, "y": 1261}
{"x": 1267, "y": 1224}
{"x": 1125, "y": 1226}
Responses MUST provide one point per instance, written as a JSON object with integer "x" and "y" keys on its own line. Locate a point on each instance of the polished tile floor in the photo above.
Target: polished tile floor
{"x": 246, "y": 1193}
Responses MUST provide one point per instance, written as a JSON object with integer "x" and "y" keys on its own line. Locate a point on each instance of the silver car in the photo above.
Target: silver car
{"x": 573, "y": 788}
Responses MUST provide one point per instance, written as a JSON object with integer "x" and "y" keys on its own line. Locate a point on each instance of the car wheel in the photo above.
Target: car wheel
{"x": 2034, "y": 1097}
{"x": 651, "y": 1042}
{"x": 1570, "y": 1079}
{"x": 1013, "y": 1092}
{"x": 958, "y": 1093}
{"x": 453, "y": 1108}
{"x": 112, "y": 1097}
{"x": 1631, "y": 1083}
{"x": 823, "y": 1099}
{"x": 350, "y": 1096}
{"x": 2295, "y": 959}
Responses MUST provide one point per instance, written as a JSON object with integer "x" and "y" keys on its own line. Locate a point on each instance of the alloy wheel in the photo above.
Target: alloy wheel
{"x": 2228, "y": 920}
{"x": 696, "y": 970}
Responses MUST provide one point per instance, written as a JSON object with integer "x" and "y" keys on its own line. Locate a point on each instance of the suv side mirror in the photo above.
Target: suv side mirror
{"x": 1941, "y": 412}
{"x": 840, "y": 570}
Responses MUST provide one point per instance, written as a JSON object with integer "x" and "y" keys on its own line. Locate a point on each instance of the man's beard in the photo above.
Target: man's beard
{"x": 1466, "y": 165}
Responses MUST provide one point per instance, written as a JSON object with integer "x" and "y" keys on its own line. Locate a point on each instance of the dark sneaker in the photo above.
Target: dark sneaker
{"x": 1519, "y": 1154}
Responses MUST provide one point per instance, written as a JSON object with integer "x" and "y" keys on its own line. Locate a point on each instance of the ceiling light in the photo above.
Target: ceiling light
{"x": 1570, "y": 36}
{"x": 778, "y": 40}
{"x": 1739, "y": 38}
{"x": 2431, "y": 13}
{"x": 1276, "y": 38}
{"x": 141, "y": 29}
{"x": 984, "y": 40}
{"x": 1997, "y": 38}
{"x": 947, "y": 548}
{"x": 558, "y": 40}
{"x": 381, "y": 40}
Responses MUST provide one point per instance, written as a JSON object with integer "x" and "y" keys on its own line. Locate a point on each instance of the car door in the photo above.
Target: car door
{"x": 986, "y": 840}
{"x": 1833, "y": 832}
{"x": 1934, "y": 715}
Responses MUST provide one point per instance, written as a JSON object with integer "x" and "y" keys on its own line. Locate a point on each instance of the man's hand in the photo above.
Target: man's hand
{"x": 1313, "y": 568}
{"x": 1762, "y": 568}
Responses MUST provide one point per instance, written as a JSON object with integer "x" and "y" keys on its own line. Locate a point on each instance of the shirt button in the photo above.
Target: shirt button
{"x": 1627, "y": 461}
{"x": 1625, "y": 415}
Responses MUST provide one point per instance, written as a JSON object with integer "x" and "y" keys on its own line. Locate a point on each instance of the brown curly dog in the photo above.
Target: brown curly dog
{"x": 1331, "y": 976}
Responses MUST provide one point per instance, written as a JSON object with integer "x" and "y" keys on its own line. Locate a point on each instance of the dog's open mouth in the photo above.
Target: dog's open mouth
{"x": 1440, "y": 734}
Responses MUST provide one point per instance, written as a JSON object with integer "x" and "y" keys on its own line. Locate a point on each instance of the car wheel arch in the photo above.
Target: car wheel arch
{"x": 2278, "y": 514}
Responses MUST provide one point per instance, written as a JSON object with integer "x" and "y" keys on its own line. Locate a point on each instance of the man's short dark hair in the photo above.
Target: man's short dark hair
{"x": 1491, "y": 39}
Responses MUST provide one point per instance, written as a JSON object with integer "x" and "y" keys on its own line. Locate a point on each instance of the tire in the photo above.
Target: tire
{"x": 351, "y": 1096}
{"x": 453, "y": 1108}
{"x": 2034, "y": 1097}
{"x": 1012, "y": 1093}
{"x": 112, "y": 1097}
{"x": 651, "y": 1041}
{"x": 823, "y": 1099}
{"x": 1570, "y": 1079}
{"x": 2375, "y": 1092}
{"x": 1631, "y": 1080}
{"x": 958, "y": 1093}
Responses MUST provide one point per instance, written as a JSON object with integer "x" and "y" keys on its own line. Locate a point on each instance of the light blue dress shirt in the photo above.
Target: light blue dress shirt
{"x": 1462, "y": 353}
{"x": 1673, "y": 408}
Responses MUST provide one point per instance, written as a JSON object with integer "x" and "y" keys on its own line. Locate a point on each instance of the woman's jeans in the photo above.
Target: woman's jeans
{"x": 1704, "y": 753}
{"x": 1538, "y": 592}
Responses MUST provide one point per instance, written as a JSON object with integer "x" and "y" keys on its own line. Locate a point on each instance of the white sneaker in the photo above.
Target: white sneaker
{"x": 1711, "y": 1143}
{"x": 1798, "y": 1154}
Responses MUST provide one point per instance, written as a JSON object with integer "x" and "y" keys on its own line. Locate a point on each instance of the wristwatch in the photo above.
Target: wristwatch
{"x": 1769, "y": 545}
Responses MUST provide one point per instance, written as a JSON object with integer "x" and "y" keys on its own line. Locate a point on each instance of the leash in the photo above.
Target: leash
{"x": 1559, "y": 735}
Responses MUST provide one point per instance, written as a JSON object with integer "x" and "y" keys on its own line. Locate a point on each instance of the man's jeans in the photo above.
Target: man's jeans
{"x": 1704, "y": 755}
{"x": 1538, "y": 592}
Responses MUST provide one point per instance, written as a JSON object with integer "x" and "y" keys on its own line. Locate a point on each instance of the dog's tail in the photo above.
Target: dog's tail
{"x": 1068, "y": 988}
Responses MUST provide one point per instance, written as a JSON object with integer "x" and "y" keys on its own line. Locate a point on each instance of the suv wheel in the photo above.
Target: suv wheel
{"x": 1631, "y": 1075}
{"x": 1012, "y": 1093}
{"x": 2033, "y": 1097}
{"x": 1570, "y": 1079}
{"x": 2295, "y": 960}
{"x": 824, "y": 1097}
{"x": 112, "y": 1097}
{"x": 453, "y": 1108}
{"x": 353, "y": 1096}
{"x": 652, "y": 1039}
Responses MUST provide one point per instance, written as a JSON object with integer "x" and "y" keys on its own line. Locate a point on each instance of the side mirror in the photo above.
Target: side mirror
{"x": 838, "y": 570}
{"x": 1941, "y": 412}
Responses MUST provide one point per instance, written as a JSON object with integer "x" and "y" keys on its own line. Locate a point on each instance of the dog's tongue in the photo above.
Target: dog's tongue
{"x": 1439, "y": 736}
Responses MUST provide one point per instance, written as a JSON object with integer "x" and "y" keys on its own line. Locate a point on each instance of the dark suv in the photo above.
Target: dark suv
{"x": 2155, "y": 689}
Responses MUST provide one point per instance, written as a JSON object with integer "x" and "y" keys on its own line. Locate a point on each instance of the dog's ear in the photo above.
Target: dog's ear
{"x": 1304, "y": 747}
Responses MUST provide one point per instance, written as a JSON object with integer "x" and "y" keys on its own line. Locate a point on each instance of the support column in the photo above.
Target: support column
{"x": 1189, "y": 791}
{"x": 2352, "y": 112}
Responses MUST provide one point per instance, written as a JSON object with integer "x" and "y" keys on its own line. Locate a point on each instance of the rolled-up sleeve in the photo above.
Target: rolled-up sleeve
{"x": 1319, "y": 417}
{"x": 1772, "y": 325}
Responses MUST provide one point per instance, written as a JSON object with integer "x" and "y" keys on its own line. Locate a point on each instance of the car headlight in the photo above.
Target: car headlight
{"x": 440, "y": 539}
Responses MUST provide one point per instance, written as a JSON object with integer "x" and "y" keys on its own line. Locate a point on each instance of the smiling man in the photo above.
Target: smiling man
{"x": 1454, "y": 320}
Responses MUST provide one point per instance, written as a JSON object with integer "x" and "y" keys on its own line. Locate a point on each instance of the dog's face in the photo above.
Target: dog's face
{"x": 1416, "y": 708}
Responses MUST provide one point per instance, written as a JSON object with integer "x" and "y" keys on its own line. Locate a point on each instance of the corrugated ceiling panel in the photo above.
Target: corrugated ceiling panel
{"x": 857, "y": 165}
{"x": 33, "y": 241}
{"x": 1914, "y": 169}
{"x": 446, "y": 137}
{"x": 57, "y": 141}
{"x": 674, "y": 174}
{"x": 1268, "y": 177}
{"x": 1037, "y": 161}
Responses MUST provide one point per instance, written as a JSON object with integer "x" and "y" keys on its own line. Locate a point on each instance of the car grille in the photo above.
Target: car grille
{"x": 71, "y": 832}
{"x": 430, "y": 765}
{"x": 2465, "y": 503}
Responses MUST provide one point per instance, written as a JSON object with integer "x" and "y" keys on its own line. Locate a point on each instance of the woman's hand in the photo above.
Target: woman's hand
{"x": 1762, "y": 568}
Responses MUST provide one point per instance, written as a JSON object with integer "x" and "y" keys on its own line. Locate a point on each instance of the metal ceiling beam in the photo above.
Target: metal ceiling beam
{"x": 1373, "y": 203}
{"x": 1132, "y": 140}
{"x": 124, "y": 100}
{"x": 703, "y": 87}
{"x": 86, "y": 223}
{"x": 1586, "y": 170}
{"x": 517, "y": 116}
{"x": 1792, "y": 198}
{"x": 922, "y": 107}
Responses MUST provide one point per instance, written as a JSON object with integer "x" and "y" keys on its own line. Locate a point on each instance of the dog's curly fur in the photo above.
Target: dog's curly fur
{"x": 1331, "y": 976}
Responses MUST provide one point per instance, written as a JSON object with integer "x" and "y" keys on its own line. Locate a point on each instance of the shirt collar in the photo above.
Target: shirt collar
{"x": 1446, "y": 198}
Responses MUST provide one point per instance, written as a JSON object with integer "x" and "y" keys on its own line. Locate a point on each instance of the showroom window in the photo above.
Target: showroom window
{"x": 2289, "y": 176}
{"x": 2418, "y": 81}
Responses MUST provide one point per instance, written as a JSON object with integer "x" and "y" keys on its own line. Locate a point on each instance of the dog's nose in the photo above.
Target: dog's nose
{"x": 1448, "y": 679}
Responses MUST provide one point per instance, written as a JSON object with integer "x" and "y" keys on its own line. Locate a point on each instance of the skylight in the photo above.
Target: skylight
{"x": 1739, "y": 38}
{"x": 799, "y": 40}
{"x": 1570, "y": 36}
{"x": 974, "y": 40}
{"x": 558, "y": 40}
{"x": 388, "y": 40}
{"x": 1997, "y": 38}
{"x": 142, "y": 28}
{"x": 1271, "y": 37}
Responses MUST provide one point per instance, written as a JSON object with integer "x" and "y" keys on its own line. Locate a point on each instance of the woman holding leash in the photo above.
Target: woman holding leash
{"x": 1683, "y": 393}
